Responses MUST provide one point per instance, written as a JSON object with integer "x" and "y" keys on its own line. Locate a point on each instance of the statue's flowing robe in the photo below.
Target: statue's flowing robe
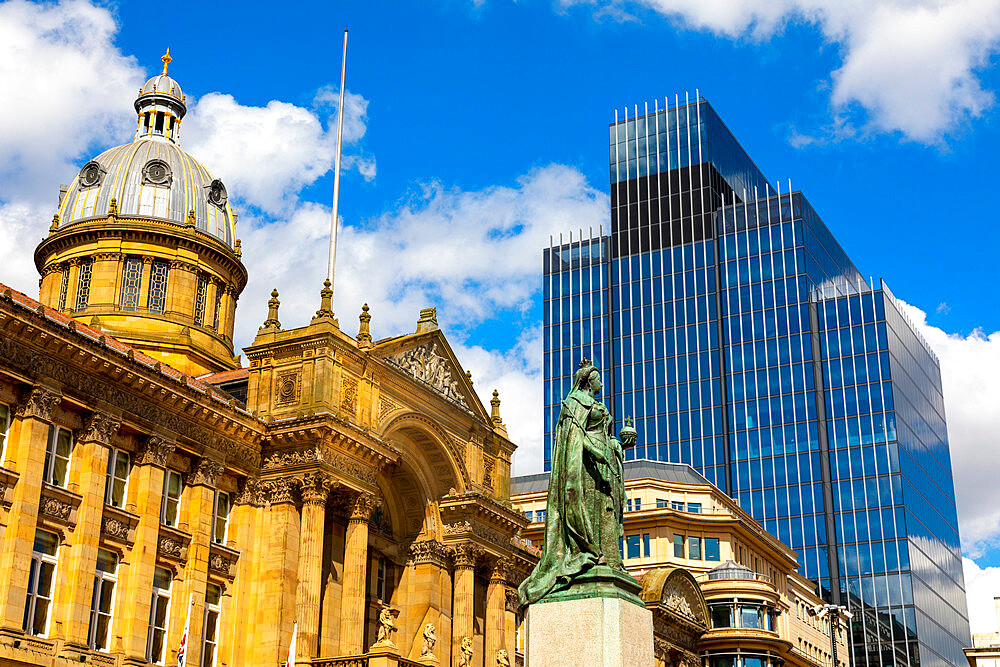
{"x": 580, "y": 488}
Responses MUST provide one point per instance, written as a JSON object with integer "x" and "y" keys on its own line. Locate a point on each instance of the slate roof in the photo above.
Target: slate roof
{"x": 668, "y": 472}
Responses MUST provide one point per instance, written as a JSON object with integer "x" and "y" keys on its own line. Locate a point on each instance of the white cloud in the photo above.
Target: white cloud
{"x": 266, "y": 155}
{"x": 66, "y": 88}
{"x": 970, "y": 373}
{"x": 982, "y": 584}
{"x": 911, "y": 65}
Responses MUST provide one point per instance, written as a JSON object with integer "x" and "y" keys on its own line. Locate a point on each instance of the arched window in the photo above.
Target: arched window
{"x": 158, "y": 287}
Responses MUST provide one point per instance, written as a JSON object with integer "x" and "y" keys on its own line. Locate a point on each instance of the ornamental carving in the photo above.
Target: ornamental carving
{"x": 287, "y": 390}
{"x": 206, "y": 473}
{"x": 217, "y": 193}
{"x": 429, "y": 551}
{"x": 466, "y": 555}
{"x": 220, "y": 563}
{"x": 154, "y": 452}
{"x": 500, "y": 570}
{"x": 354, "y": 468}
{"x": 91, "y": 174}
{"x": 349, "y": 396}
{"x": 170, "y": 547}
{"x": 678, "y": 603}
{"x": 39, "y": 404}
{"x": 280, "y": 490}
{"x": 31, "y": 363}
{"x": 315, "y": 488}
{"x": 55, "y": 508}
{"x": 386, "y": 406}
{"x": 115, "y": 528}
{"x": 363, "y": 506}
{"x": 100, "y": 428}
{"x": 426, "y": 364}
{"x": 252, "y": 493}
{"x": 156, "y": 172}
{"x": 510, "y": 596}
{"x": 486, "y": 533}
{"x": 288, "y": 459}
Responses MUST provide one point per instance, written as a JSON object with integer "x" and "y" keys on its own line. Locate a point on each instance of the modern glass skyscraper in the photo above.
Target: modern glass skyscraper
{"x": 736, "y": 331}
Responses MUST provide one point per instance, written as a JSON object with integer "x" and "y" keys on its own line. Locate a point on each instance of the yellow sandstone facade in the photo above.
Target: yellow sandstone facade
{"x": 723, "y": 592}
{"x": 335, "y": 485}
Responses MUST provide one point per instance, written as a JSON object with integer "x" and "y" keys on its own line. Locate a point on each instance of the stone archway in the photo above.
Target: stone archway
{"x": 680, "y": 615}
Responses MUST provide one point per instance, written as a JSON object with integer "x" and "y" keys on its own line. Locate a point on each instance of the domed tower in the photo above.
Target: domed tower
{"x": 143, "y": 245}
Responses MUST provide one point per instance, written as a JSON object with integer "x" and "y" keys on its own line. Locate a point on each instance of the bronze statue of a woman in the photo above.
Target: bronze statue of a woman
{"x": 583, "y": 523}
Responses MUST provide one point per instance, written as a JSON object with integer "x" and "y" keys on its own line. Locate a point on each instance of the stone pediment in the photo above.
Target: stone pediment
{"x": 431, "y": 365}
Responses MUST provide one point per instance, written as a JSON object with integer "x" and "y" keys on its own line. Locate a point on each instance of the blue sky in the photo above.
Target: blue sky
{"x": 475, "y": 129}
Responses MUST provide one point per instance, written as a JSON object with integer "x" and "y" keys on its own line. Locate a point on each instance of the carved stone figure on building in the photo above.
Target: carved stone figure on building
{"x": 386, "y": 627}
{"x": 430, "y": 641}
{"x": 465, "y": 660}
{"x": 586, "y": 493}
{"x": 503, "y": 660}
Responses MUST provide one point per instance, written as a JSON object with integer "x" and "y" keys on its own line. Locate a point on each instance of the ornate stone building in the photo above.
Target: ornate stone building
{"x": 723, "y": 592}
{"x": 148, "y": 480}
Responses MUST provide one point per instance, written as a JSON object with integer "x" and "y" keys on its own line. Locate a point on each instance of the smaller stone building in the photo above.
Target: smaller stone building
{"x": 723, "y": 592}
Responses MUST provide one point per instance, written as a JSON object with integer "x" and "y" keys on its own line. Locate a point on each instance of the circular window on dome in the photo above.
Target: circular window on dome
{"x": 217, "y": 193}
{"x": 156, "y": 172}
{"x": 92, "y": 174}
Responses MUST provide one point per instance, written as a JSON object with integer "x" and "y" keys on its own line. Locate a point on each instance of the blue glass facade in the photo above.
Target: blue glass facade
{"x": 736, "y": 331}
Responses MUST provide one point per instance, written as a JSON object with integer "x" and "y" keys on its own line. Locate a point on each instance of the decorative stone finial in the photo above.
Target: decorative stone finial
{"x": 238, "y": 248}
{"x": 364, "y": 333}
{"x": 55, "y": 223}
{"x": 113, "y": 208}
{"x": 166, "y": 60}
{"x": 428, "y": 320}
{"x": 272, "y": 323}
{"x": 495, "y": 412}
{"x": 190, "y": 219}
{"x": 325, "y": 311}
{"x": 468, "y": 376}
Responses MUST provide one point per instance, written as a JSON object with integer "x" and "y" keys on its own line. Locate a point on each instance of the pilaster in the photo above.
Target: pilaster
{"x": 279, "y": 572}
{"x": 246, "y": 533}
{"x": 463, "y": 619}
{"x": 27, "y": 458}
{"x": 496, "y": 604}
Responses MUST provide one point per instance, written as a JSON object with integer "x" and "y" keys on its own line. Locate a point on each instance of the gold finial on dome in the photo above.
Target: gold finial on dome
{"x": 166, "y": 60}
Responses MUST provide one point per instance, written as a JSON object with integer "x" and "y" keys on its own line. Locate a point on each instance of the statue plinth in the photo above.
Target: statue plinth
{"x": 599, "y": 621}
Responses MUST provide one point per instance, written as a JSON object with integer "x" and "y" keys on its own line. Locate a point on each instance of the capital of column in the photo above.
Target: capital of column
{"x": 429, "y": 551}
{"x": 281, "y": 490}
{"x": 252, "y": 493}
{"x": 316, "y": 487}
{"x": 206, "y": 472}
{"x": 500, "y": 572}
{"x": 466, "y": 555}
{"x": 39, "y": 403}
{"x": 154, "y": 451}
{"x": 100, "y": 428}
{"x": 362, "y": 508}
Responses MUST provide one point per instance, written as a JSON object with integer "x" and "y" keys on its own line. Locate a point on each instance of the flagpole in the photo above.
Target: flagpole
{"x": 334, "y": 222}
{"x": 182, "y": 649}
{"x": 290, "y": 660}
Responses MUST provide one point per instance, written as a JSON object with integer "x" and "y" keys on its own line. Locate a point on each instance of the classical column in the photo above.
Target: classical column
{"x": 496, "y": 604}
{"x": 279, "y": 572}
{"x": 246, "y": 533}
{"x": 80, "y": 560}
{"x": 200, "y": 492}
{"x": 427, "y": 583}
{"x": 26, "y": 456}
{"x": 315, "y": 490}
{"x": 135, "y": 593}
{"x": 510, "y": 620}
{"x": 352, "y": 607}
{"x": 463, "y": 617}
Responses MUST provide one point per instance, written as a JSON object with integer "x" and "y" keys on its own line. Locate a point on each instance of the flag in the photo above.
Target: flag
{"x": 290, "y": 662}
{"x": 182, "y": 649}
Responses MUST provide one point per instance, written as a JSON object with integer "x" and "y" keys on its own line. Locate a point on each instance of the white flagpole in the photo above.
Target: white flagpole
{"x": 182, "y": 649}
{"x": 334, "y": 222}
{"x": 290, "y": 661}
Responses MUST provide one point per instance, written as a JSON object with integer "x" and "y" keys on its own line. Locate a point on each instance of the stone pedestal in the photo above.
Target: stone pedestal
{"x": 598, "y": 622}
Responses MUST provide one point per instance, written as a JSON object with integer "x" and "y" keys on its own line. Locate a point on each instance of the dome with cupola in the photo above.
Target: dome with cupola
{"x": 143, "y": 244}
{"x": 151, "y": 177}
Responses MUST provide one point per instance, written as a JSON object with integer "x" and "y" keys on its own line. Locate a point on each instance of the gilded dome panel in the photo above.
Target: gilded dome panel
{"x": 150, "y": 178}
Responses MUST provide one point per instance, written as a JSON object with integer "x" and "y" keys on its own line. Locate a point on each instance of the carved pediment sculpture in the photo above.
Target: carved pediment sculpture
{"x": 426, "y": 363}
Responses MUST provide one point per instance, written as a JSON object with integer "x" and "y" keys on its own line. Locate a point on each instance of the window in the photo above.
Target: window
{"x": 131, "y": 276}
{"x": 83, "y": 284}
{"x": 721, "y": 615}
{"x": 210, "y": 633}
{"x": 632, "y": 546}
{"x": 40, "y": 579}
{"x": 159, "y": 610}
{"x": 661, "y": 503}
{"x": 645, "y": 545}
{"x": 675, "y": 505}
{"x": 712, "y": 548}
{"x": 199, "y": 301}
{"x": 380, "y": 574}
{"x": 172, "y": 487}
{"x": 218, "y": 306}
{"x": 528, "y": 515}
{"x": 694, "y": 548}
{"x": 57, "y": 455}
{"x": 540, "y": 515}
{"x": 220, "y": 524}
{"x": 694, "y": 507}
{"x": 100, "y": 606}
{"x": 678, "y": 546}
{"x": 157, "y": 287}
{"x": 4, "y": 427}
{"x": 117, "y": 478}
{"x": 63, "y": 287}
